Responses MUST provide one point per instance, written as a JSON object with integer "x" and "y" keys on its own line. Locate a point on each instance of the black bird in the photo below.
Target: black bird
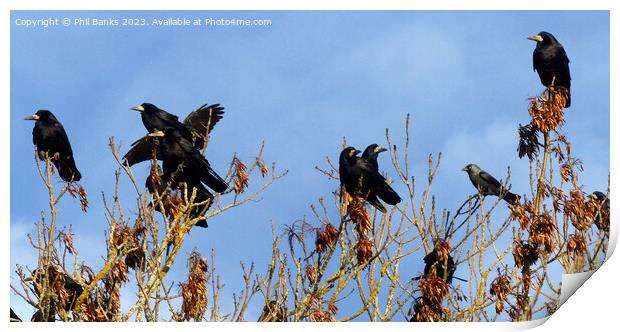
{"x": 182, "y": 163}
{"x": 359, "y": 177}
{"x": 155, "y": 119}
{"x": 157, "y": 183}
{"x": 69, "y": 286}
{"x": 488, "y": 185}
{"x": 273, "y": 313}
{"x": 551, "y": 62}
{"x": 442, "y": 270}
{"x": 370, "y": 154}
{"x": 49, "y": 136}
{"x": 194, "y": 128}
{"x": 601, "y": 217}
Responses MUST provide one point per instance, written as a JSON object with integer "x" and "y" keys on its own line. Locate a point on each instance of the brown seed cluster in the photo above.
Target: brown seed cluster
{"x": 154, "y": 180}
{"x": 580, "y": 212}
{"x": 81, "y": 192}
{"x": 363, "y": 224}
{"x": 525, "y": 254}
{"x": 135, "y": 254}
{"x": 547, "y": 111}
{"x": 120, "y": 235}
{"x": 521, "y": 214}
{"x": 311, "y": 273}
{"x": 541, "y": 232}
{"x": 194, "y": 290}
{"x": 67, "y": 239}
{"x": 567, "y": 174}
{"x": 576, "y": 245}
{"x": 174, "y": 205}
{"x": 443, "y": 250}
{"x": 241, "y": 177}
{"x": 359, "y": 215}
{"x": 111, "y": 286}
{"x": 320, "y": 315}
{"x": 92, "y": 309}
{"x": 263, "y": 169}
{"x": 364, "y": 248}
{"x": 91, "y": 312}
{"x": 428, "y": 308}
{"x": 500, "y": 288}
{"x": 528, "y": 141}
{"x": 83, "y": 198}
{"x": 325, "y": 237}
{"x": 433, "y": 289}
{"x": 56, "y": 279}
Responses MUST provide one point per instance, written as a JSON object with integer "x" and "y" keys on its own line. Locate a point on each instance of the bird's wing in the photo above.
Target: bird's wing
{"x": 565, "y": 61}
{"x": 171, "y": 120}
{"x": 430, "y": 257}
{"x": 166, "y": 116}
{"x": 202, "y": 120}
{"x": 61, "y": 139}
{"x": 378, "y": 183}
{"x": 208, "y": 175}
{"x": 536, "y": 60}
{"x": 57, "y": 141}
{"x": 143, "y": 149}
{"x": 488, "y": 178}
{"x": 563, "y": 55}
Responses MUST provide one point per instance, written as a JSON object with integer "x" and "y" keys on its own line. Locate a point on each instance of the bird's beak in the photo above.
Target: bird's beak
{"x": 32, "y": 117}
{"x": 380, "y": 149}
{"x": 464, "y": 169}
{"x": 536, "y": 38}
{"x": 138, "y": 108}
{"x": 356, "y": 152}
{"x": 158, "y": 133}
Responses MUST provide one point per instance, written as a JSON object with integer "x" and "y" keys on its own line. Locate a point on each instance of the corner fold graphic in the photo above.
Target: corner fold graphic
{"x": 572, "y": 282}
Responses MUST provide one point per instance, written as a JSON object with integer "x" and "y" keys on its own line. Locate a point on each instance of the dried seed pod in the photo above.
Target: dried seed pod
{"x": 500, "y": 288}
{"x": 311, "y": 273}
{"x": 359, "y": 215}
{"x": 194, "y": 289}
{"x": 528, "y": 141}
{"x": 241, "y": 177}
{"x": 364, "y": 249}
{"x": 439, "y": 263}
{"x": 576, "y": 245}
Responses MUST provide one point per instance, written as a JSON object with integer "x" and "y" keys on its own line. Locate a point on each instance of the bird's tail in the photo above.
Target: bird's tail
{"x": 213, "y": 180}
{"x": 387, "y": 194}
{"x": 511, "y": 198}
{"x": 372, "y": 199}
{"x": 67, "y": 169}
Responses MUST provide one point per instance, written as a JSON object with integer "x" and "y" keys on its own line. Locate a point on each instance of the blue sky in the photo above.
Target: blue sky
{"x": 300, "y": 84}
